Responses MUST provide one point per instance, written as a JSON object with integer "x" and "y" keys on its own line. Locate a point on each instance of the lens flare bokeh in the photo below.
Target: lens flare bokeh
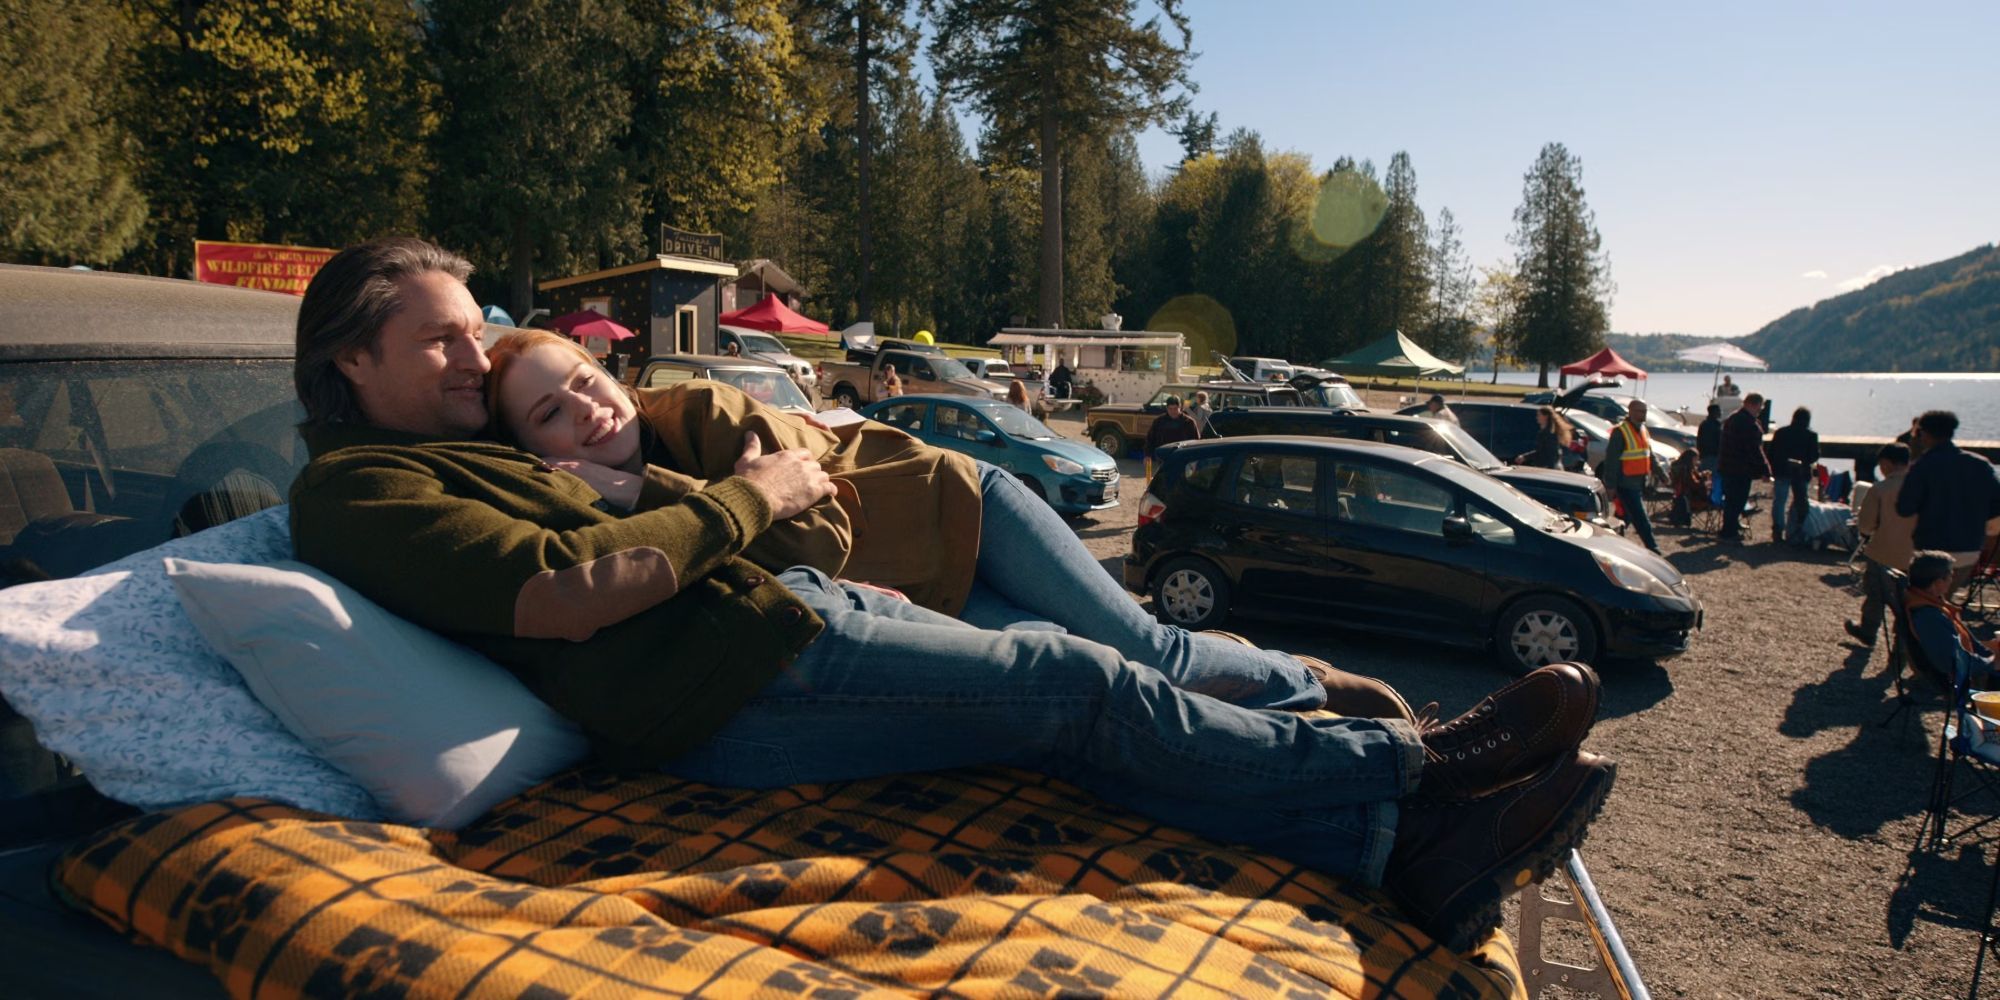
{"x": 1347, "y": 209}
{"x": 1205, "y": 323}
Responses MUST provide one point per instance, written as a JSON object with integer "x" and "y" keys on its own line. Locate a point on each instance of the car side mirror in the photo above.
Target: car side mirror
{"x": 984, "y": 436}
{"x": 1457, "y": 528}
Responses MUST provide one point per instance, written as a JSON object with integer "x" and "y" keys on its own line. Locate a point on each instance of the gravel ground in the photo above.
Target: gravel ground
{"x": 1760, "y": 841}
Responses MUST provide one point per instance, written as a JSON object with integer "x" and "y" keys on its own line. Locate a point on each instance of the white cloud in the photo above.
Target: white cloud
{"x": 1814, "y": 275}
{"x": 1872, "y": 275}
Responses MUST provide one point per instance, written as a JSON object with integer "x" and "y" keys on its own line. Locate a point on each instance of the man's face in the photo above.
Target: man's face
{"x": 1755, "y": 406}
{"x": 1636, "y": 413}
{"x": 1434, "y": 405}
{"x": 426, "y": 373}
{"x": 1173, "y": 409}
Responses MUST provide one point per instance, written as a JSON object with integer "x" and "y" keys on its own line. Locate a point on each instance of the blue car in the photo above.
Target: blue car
{"x": 1072, "y": 476}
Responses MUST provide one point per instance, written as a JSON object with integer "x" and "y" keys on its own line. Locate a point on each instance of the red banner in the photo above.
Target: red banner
{"x": 267, "y": 266}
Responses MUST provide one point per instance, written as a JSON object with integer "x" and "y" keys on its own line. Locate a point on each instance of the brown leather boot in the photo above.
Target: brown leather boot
{"x": 1356, "y": 696}
{"x": 1513, "y": 733}
{"x": 1349, "y": 694}
{"x": 1456, "y": 860}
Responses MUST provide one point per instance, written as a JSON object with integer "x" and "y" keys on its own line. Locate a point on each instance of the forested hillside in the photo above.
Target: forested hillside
{"x": 1942, "y": 317}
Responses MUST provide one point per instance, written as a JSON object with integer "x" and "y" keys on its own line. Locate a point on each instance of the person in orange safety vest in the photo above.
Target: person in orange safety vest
{"x": 1627, "y": 465}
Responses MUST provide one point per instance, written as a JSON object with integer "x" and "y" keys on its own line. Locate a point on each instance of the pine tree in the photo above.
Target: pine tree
{"x": 874, "y": 40}
{"x": 535, "y": 135}
{"x": 1561, "y": 306}
{"x": 1043, "y": 70}
{"x": 1399, "y": 252}
{"x": 279, "y": 121}
{"x": 1448, "y": 327}
{"x": 67, "y": 185}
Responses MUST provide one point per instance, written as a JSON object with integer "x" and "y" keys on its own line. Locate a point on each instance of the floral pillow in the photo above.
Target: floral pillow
{"x": 114, "y": 676}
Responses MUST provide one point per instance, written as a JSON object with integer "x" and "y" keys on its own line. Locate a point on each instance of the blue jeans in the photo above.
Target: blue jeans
{"x": 1800, "y": 488}
{"x": 1032, "y": 567}
{"x": 1634, "y": 500}
{"x": 890, "y": 687}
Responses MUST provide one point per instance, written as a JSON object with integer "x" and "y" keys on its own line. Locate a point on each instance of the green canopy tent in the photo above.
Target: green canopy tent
{"x": 1394, "y": 356}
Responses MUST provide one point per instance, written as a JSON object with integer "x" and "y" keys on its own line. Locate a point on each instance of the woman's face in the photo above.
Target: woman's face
{"x": 559, "y": 405}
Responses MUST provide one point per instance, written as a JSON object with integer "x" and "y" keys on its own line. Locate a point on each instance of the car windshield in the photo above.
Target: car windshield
{"x": 1336, "y": 394}
{"x": 764, "y": 385}
{"x": 761, "y": 343}
{"x": 1017, "y": 424}
{"x": 1513, "y": 502}
{"x": 1468, "y": 447}
{"x": 949, "y": 368}
{"x": 110, "y": 457}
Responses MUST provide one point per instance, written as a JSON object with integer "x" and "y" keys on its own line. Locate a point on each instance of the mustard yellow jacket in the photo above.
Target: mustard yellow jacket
{"x": 906, "y": 514}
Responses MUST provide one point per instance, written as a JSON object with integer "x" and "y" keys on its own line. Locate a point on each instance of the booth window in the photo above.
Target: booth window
{"x": 1141, "y": 359}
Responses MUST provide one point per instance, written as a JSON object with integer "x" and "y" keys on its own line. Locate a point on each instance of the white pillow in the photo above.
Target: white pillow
{"x": 114, "y": 676}
{"x": 436, "y": 732}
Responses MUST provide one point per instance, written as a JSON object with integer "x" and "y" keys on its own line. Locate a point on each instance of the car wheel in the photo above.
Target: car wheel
{"x": 1191, "y": 593}
{"x": 1537, "y": 631}
{"x": 1109, "y": 440}
{"x": 844, "y": 396}
{"x": 1034, "y": 486}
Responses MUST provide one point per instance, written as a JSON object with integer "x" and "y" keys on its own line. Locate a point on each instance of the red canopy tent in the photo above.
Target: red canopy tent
{"x": 772, "y": 314}
{"x": 1604, "y": 362}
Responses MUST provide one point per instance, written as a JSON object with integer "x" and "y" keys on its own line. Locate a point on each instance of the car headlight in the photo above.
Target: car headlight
{"x": 1630, "y": 576}
{"x": 1062, "y": 466}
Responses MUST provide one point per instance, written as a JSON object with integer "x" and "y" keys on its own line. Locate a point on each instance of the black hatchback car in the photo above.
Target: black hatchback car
{"x": 1568, "y": 492}
{"x": 1384, "y": 538}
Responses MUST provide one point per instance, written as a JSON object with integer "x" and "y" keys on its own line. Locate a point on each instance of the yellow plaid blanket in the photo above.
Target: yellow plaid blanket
{"x": 974, "y": 883}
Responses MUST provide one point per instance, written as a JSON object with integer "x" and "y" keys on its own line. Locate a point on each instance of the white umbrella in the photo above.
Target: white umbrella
{"x": 1722, "y": 356}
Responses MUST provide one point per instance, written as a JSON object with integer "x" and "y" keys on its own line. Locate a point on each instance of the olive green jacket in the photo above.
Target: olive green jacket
{"x": 648, "y": 630}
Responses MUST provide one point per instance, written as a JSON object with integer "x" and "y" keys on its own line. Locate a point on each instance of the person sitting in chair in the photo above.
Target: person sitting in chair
{"x": 1939, "y": 629}
{"x": 1692, "y": 486}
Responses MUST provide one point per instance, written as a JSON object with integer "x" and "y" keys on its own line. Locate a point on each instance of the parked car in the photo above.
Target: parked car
{"x": 1390, "y": 539}
{"x": 1509, "y": 429}
{"x": 760, "y": 346}
{"x": 854, "y": 383}
{"x": 1603, "y": 401}
{"x": 133, "y": 410}
{"x": 761, "y": 380}
{"x": 1324, "y": 388}
{"x": 1116, "y": 428}
{"x": 991, "y": 369}
{"x": 1072, "y": 476}
{"x": 1264, "y": 369}
{"x": 1568, "y": 492}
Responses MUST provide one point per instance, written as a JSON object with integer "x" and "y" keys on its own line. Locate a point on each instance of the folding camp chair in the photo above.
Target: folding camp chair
{"x": 1963, "y": 741}
{"x": 1907, "y": 661}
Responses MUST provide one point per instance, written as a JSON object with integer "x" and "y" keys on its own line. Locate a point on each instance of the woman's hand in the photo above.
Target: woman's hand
{"x": 615, "y": 485}
{"x": 791, "y": 480}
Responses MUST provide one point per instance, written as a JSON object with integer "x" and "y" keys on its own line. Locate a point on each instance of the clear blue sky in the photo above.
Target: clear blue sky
{"x": 1729, "y": 150}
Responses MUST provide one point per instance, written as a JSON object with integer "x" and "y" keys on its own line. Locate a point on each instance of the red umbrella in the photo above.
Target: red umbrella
{"x": 590, "y": 323}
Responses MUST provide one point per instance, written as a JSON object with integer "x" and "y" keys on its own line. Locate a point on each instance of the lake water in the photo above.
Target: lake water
{"x": 1842, "y": 404}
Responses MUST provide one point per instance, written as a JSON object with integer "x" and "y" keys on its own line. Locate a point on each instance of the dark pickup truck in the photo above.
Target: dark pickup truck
{"x": 1568, "y": 492}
